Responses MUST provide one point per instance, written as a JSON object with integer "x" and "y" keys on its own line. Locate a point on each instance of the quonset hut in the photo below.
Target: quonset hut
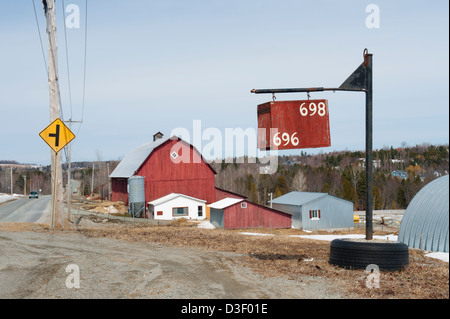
{"x": 425, "y": 222}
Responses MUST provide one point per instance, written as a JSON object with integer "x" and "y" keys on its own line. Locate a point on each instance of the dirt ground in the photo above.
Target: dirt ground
{"x": 178, "y": 260}
{"x": 33, "y": 263}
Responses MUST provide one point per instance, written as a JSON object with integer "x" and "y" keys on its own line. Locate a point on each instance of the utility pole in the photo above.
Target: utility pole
{"x": 55, "y": 111}
{"x": 11, "y": 181}
{"x": 109, "y": 182}
{"x": 69, "y": 174}
{"x": 92, "y": 184}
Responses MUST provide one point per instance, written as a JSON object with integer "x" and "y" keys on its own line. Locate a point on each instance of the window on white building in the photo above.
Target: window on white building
{"x": 180, "y": 211}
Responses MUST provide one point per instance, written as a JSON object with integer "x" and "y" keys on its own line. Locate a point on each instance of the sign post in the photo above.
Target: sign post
{"x": 359, "y": 81}
{"x": 57, "y": 135}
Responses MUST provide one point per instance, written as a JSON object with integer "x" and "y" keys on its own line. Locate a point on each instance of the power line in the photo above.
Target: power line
{"x": 84, "y": 67}
{"x": 40, "y": 38}
{"x": 67, "y": 59}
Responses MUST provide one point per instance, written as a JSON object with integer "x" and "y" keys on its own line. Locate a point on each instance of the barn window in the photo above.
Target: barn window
{"x": 244, "y": 205}
{"x": 180, "y": 211}
{"x": 174, "y": 155}
{"x": 314, "y": 214}
{"x": 200, "y": 211}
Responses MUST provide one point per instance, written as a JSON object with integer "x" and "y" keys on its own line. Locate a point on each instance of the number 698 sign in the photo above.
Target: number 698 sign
{"x": 293, "y": 124}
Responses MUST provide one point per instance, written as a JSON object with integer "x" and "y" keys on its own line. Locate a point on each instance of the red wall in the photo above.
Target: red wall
{"x": 119, "y": 190}
{"x": 254, "y": 216}
{"x": 193, "y": 177}
{"x": 163, "y": 176}
{"x": 221, "y": 194}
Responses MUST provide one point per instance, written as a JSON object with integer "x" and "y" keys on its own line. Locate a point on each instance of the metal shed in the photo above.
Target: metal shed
{"x": 425, "y": 222}
{"x": 315, "y": 210}
{"x": 232, "y": 213}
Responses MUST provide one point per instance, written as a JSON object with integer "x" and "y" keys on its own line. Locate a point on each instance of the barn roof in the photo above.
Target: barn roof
{"x": 297, "y": 198}
{"x": 134, "y": 159}
{"x": 172, "y": 196}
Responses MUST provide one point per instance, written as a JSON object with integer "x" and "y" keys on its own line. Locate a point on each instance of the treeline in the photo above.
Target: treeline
{"x": 91, "y": 176}
{"x": 341, "y": 174}
{"x": 338, "y": 173}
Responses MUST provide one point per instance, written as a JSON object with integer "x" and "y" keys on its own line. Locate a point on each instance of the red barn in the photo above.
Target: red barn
{"x": 169, "y": 165}
{"x": 232, "y": 213}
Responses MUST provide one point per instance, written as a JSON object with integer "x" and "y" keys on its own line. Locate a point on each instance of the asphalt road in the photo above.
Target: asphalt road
{"x": 25, "y": 210}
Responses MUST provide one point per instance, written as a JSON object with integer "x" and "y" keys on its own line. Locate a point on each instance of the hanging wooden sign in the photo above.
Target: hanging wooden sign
{"x": 293, "y": 124}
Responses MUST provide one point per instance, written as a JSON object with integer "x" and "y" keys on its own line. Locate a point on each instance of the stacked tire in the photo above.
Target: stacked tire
{"x": 388, "y": 256}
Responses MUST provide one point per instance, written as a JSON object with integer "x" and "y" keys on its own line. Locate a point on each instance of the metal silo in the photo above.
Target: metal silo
{"x": 136, "y": 196}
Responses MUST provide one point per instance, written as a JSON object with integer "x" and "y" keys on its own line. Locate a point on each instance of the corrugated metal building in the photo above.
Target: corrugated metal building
{"x": 425, "y": 224}
{"x": 315, "y": 210}
{"x": 168, "y": 165}
{"x": 233, "y": 213}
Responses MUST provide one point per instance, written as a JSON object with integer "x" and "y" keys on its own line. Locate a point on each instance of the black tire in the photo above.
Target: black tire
{"x": 359, "y": 254}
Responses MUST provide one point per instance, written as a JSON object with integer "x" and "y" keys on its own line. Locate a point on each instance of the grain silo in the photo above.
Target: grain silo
{"x": 136, "y": 195}
{"x": 425, "y": 222}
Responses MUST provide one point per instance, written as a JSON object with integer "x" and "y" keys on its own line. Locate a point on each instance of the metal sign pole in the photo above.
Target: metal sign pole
{"x": 369, "y": 143}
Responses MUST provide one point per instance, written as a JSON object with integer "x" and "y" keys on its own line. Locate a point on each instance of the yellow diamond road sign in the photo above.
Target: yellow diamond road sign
{"x": 57, "y": 135}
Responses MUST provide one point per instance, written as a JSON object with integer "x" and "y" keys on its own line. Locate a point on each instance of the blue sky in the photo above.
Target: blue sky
{"x": 159, "y": 65}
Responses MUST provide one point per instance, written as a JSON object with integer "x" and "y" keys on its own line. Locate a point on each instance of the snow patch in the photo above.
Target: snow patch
{"x": 256, "y": 234}
{"x": 332, "y": 237}
{"x": 206, "y": 225}
{"x": 6, "y": 197}
{"x": 438, "y": 255}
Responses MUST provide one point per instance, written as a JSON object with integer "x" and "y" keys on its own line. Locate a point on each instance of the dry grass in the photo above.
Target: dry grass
{"x": 425, "y": 278}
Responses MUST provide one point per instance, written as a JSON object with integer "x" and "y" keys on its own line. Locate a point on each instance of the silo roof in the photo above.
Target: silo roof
{"x": 425, "y": 223}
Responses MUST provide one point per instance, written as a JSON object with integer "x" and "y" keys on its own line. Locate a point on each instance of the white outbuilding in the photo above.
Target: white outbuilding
{"x": 175, "y": 206}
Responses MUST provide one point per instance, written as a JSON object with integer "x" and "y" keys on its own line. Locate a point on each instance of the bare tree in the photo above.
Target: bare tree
{"x": 299, "y": 182}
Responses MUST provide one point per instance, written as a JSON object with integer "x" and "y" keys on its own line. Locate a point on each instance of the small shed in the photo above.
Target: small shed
{"x": 232, "y": 213}
{"x": 425, "y": 224}
{"x": 175, "y": 206}
{"x": 315, "y": 210}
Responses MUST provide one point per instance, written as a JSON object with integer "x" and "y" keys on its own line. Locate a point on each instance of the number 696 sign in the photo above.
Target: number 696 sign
{"x": 293, "y": 124}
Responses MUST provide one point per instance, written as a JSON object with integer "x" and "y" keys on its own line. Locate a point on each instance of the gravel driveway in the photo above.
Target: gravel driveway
{"x": 33, "y": 265}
